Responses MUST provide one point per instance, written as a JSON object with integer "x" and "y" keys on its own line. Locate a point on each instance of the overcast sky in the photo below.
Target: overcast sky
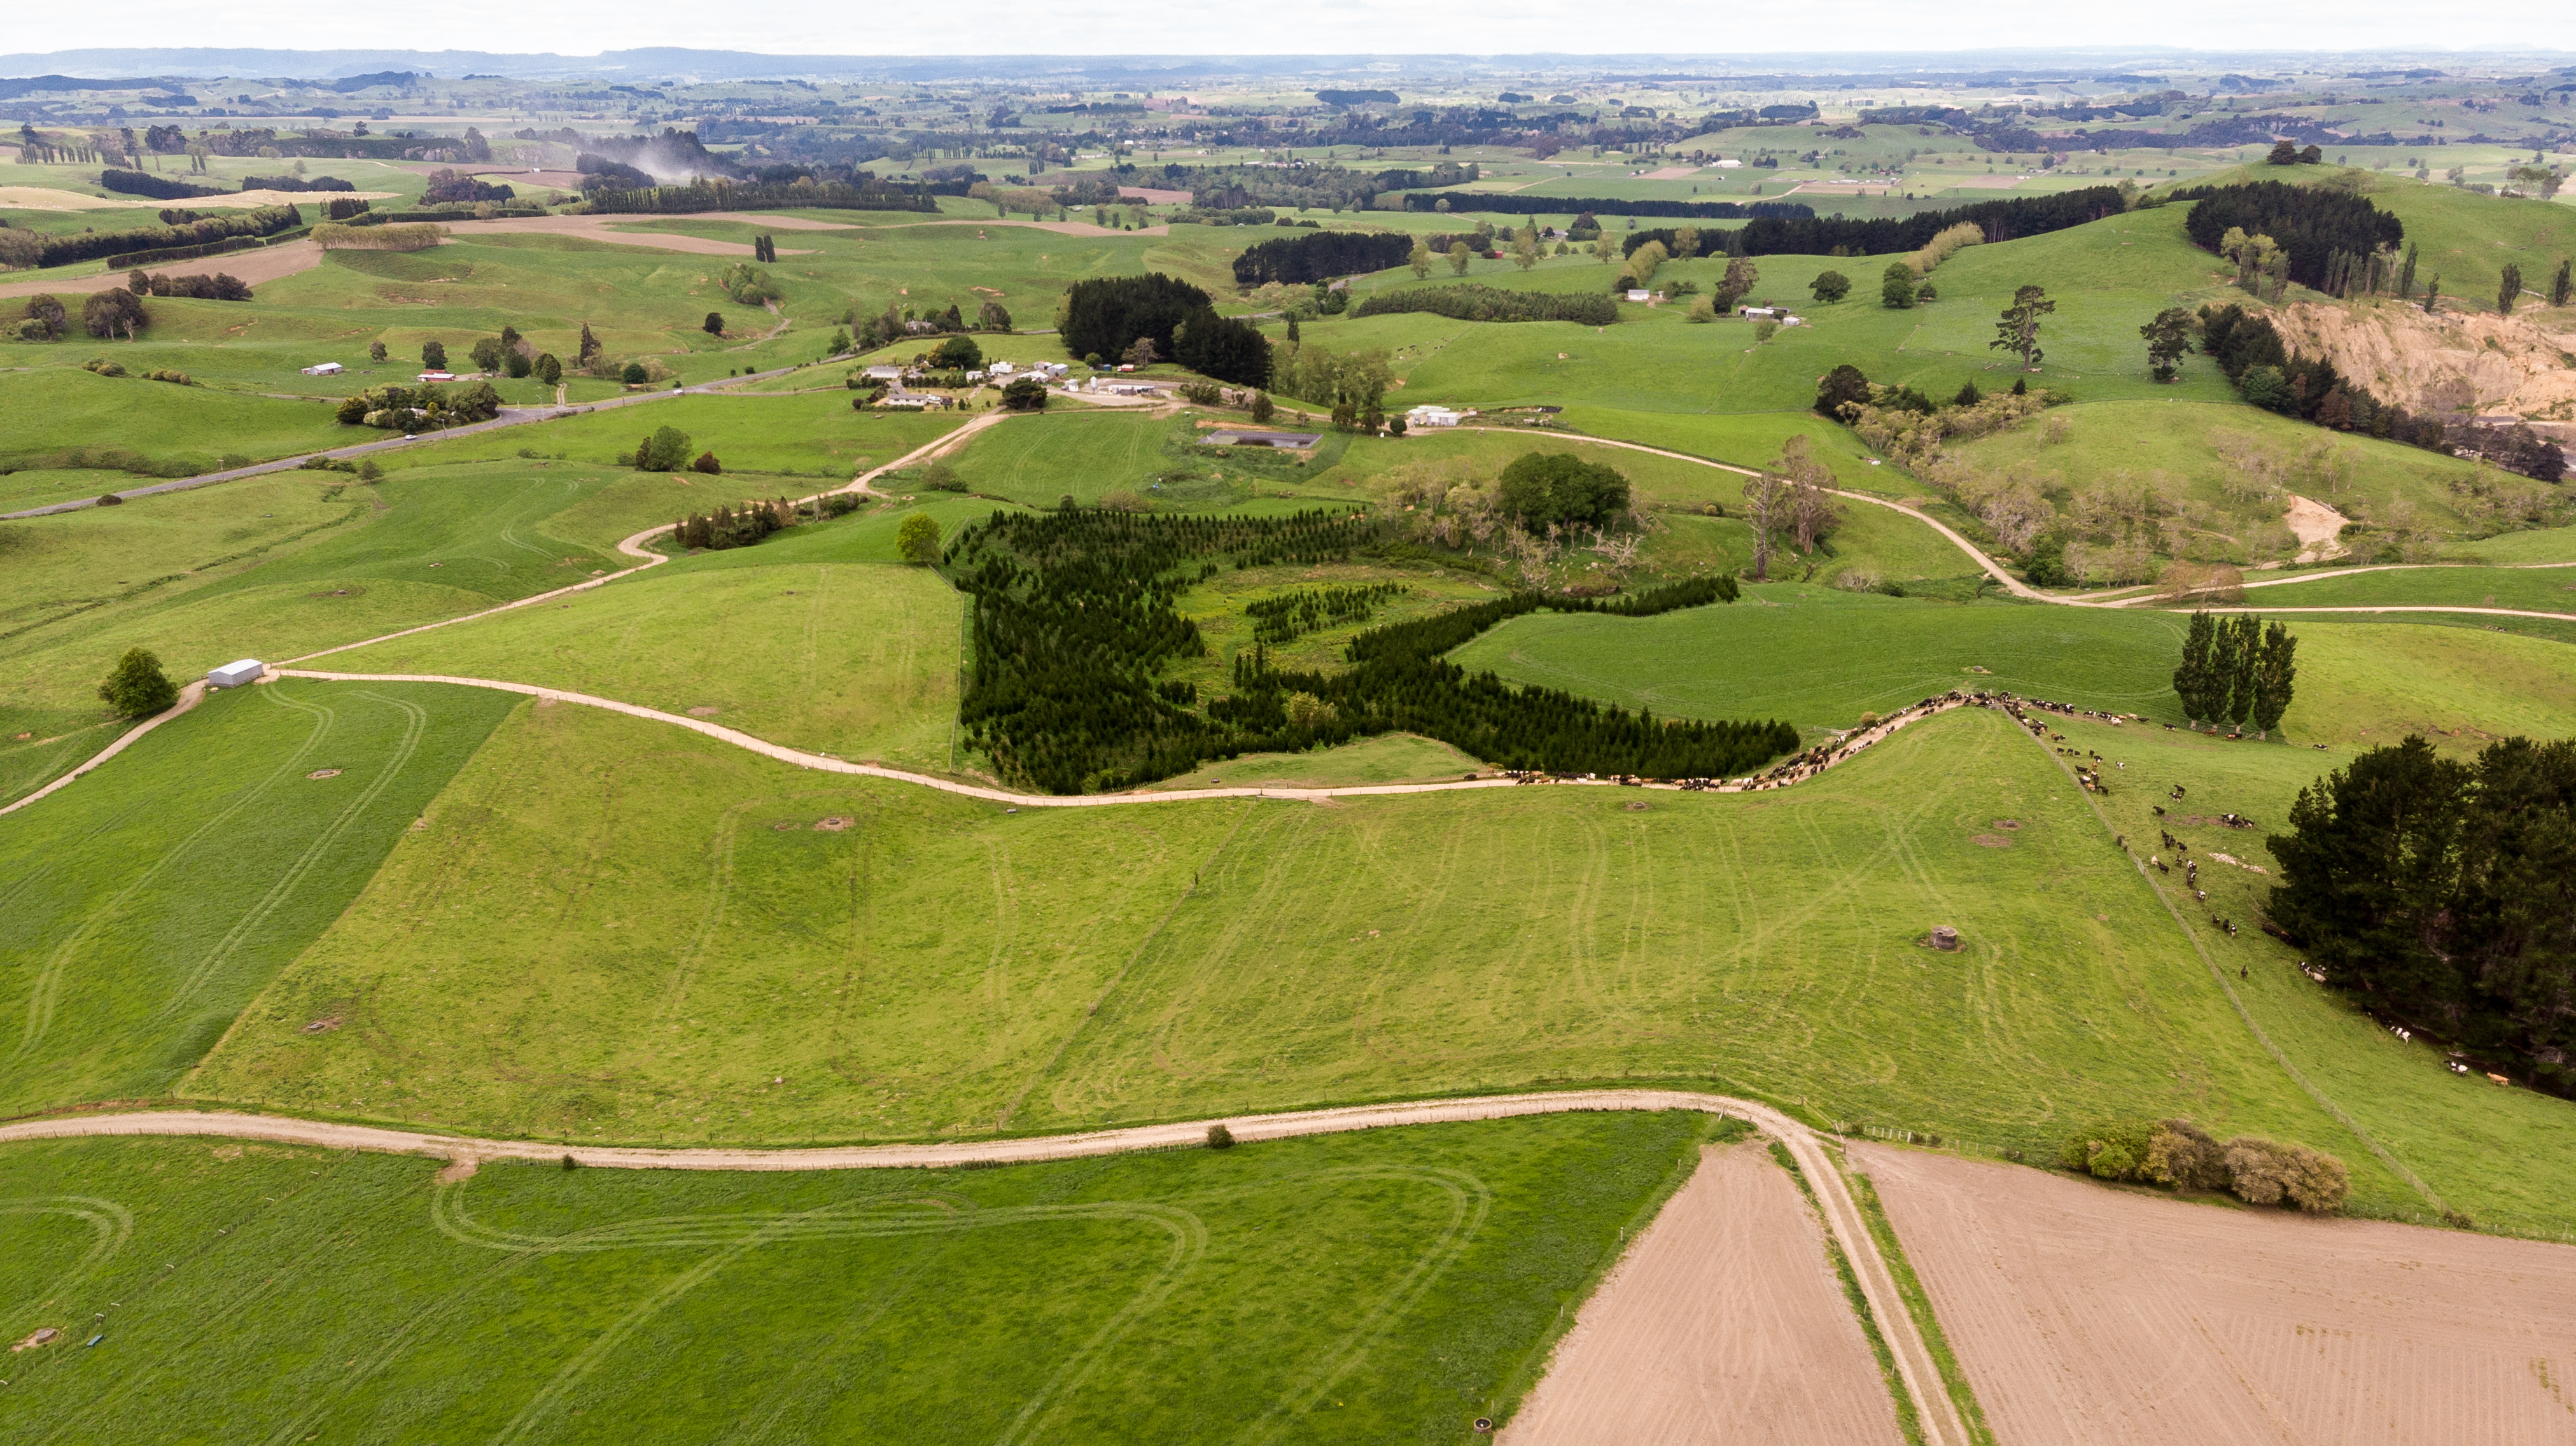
{"x": 1171, "y": 27}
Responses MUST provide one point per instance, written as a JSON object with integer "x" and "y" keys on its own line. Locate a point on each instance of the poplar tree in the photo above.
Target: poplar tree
{"x": 2274, "y": 675}
{"x": 2191, "y": 680}
{"x": 2244, "y": 650}
{"x": 2509, "y": 288}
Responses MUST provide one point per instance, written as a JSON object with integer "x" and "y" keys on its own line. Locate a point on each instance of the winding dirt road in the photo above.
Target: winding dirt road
{"x": 1942, "y": 1426}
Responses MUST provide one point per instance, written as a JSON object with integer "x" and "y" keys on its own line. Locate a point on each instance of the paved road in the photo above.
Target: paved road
{"x": 1915, "y": 1367}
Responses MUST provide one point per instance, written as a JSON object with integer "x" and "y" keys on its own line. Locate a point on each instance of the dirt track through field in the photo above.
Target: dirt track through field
{"x": 1842, "y": 1217}
{"x": 1723, "y": 1323}
{"x": 2109, "y": 1317}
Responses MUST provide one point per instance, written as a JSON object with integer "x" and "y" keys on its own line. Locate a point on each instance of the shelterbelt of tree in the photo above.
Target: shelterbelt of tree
{"x": 1917, "y": 1370}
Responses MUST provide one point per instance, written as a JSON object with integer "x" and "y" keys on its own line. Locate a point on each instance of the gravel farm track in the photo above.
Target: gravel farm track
{"x": 1842, "y": 1217}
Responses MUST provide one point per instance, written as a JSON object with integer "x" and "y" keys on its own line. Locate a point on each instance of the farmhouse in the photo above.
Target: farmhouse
{"x": 323, "y": 369}
{"x": 1431, "y": 416}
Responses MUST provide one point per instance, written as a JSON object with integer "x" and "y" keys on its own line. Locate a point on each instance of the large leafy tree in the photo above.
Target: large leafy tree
{"x": 2017, "y": 330}
{"x": 2168, "y": 338}
{"x": 1545, "y": 487}
{"x": 138, "y": 688}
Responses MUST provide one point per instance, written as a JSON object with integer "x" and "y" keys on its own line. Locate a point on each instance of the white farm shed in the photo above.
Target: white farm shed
{"x": 323, "y": 369}
{"x": 233, "y": 675}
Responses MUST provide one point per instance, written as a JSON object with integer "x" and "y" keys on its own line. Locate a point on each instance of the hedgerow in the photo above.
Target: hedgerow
{"x": 1492, "y": 303}
{"x": 1074, "y": 616}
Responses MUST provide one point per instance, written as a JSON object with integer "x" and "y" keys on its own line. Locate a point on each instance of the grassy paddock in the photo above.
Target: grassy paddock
{"x": 147, "y": 903}
{"x": 275, "y": 567}
{"x": 854, "y": 659}
{"x": 1385, "y": 1285}
{"x": 616, "y": 931}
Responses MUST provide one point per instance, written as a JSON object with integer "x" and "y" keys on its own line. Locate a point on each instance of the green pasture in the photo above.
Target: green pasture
{"x": 64, "y": 417}
{"x": 856, "y": 660}
{"x": 1036, "y": 460}
{"x": 1368, "y": 1287}
{"x": 2107, "y": 278}
{"x": 148, "y": 902}
{"x": 2474, "y": 1142}
{"x": 1389, "y": 758}
{"x": 2539, "y": 545}
{"x": 611, "y": 929}
{"x": 278, "y": 566}
{"x": 2174, "y": 443}
{"x": 1821, "y": 658}
{"x": 811, "y": 436}
{"x": 2546, "y": 588}
{"x": 2461, "y": 236}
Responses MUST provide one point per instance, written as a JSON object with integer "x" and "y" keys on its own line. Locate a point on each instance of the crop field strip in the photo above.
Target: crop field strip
{"x": 1406, "y": 1276}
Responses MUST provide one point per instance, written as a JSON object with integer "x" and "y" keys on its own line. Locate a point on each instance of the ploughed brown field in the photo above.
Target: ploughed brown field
{"x": 1723, "y": 1323}
{"x": 2086, "y": 1313}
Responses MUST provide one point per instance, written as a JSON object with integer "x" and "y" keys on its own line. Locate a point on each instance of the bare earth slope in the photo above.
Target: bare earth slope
{"x": 2084, "y": 1313}
{"x": 1723, "y": 1323}
{"x": 2458, "y": 361}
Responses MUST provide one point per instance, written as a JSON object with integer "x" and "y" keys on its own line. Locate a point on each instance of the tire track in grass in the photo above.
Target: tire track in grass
{"x": 113, "y": 1224}
{"x": 47, "y": 991}
{"x": 1841, "y": 1215}
{"x": 415, "y": 723}
{"x": 1470, "y": 1202}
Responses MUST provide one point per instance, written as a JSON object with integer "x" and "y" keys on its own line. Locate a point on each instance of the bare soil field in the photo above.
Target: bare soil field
{"x": 2086, "y": 1313}
{"x": 1723, "y": 1323}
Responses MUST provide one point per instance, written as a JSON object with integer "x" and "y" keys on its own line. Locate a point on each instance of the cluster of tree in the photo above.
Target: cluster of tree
{"x": 1508, "y": 205}
{"x": 1108, "y": 316}
{"x": 2309, "y": 224}
{"x": 402, "y": 407}
{"x": 1540, "y": 490}
{"x": 1074, "y": 614}
{"x": 1231, "y": 216}
{"x": 1321, "y": 256}
{"x": 41, "y": 319}
{"x": 114, "y": 312}
{"x": 2447, "y": 891}
{"x": 2234, "y": 669}
{"x": 765, "y": 248}
{"x": 2183, "y": 1156}
{"x": 1312, "y": 185}
{"x": 1680, "y": 243}
{"x": 301, "y": 183}
{"x": 867, "y": 194}
{"x": 747, "y": 284}
{"x": 513, "y": 355}
{"x": 2515, "y": 448}
{"x": 219, "y": 287}
{"x": 2287, "y": 153}
{"x": 601, "y": 173}
{"x": 1997, "y": 220}
{"x": 1793, "y": 500}
{"x": 451, "y": 187}
{"x": 1353, "y": 384}
{"x": 152, "y": 184}
{"x": 734, "y": 527}
{"x": 1491, "y": 303}
{"x": 664, "y": 449}
{"x": 95, "y": 245}
{"x": 1291, "y": 616}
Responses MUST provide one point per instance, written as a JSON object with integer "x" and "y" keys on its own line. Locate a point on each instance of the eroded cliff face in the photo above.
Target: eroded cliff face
{"x": 2453, "y": 362}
